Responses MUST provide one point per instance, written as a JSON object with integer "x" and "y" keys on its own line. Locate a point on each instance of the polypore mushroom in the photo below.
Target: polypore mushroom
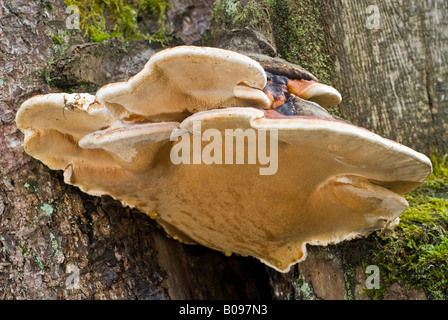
{"x": 333, "y": 181}
{"x": 187, "y": 79}
{"x": 284, "y": 77}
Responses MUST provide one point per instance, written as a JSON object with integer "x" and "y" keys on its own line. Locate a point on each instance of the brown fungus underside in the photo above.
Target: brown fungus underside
{"x": 334, "y": 181}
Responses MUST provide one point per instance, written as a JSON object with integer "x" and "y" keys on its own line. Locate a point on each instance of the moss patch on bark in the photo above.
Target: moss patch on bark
{"x": 416, "y": 251}
{"x": 102, "y": 20}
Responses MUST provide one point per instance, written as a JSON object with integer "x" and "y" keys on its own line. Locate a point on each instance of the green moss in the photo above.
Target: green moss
{"x": 299, "y": 35}
{"x": 233, "y": 14}
{"x": 57, "y": 39}
{"x": 416, "y": 252}
{"x": 296, "y": 26}
{"x": 102, "y": 19}
{"x": 348, "y": 279}
{"x": 97, "y": 35}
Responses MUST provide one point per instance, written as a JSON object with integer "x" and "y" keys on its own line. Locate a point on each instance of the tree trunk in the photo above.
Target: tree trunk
{"x": 390, "y": 62}
{"x": 55, "y": 241}
{"x": 59, "y": 243}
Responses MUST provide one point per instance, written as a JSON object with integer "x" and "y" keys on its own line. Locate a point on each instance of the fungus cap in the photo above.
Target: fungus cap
{"x": 300, "y": 81}
{"x": 190, "y": 79}
{"x": 320, "y": 93}
{"x": 334, "y": 181}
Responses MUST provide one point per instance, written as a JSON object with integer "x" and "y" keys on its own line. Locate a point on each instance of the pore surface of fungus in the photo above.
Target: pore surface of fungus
{"x": 332, "y": 181}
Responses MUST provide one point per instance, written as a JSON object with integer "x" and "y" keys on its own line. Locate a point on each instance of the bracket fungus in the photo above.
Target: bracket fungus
{"x": 334, "y": 181}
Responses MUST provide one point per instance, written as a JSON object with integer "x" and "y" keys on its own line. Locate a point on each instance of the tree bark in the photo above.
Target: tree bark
{"x": 390, "y": 62}
{"x": 387, "y": 59}
{"x": 59, "y": 243}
